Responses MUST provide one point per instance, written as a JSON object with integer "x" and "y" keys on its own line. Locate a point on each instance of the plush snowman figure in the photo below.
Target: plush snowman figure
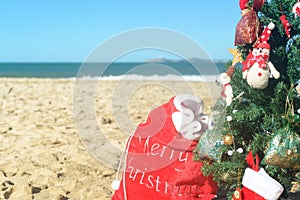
{"x": 258, "y": 68}
{"x": 225, "y": 79}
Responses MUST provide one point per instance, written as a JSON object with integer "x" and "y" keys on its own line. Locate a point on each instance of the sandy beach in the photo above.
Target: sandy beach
{"x": 43, "y": 154}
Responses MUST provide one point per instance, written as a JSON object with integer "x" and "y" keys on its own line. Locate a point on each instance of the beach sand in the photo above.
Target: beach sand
{"x": 43, "y": 155}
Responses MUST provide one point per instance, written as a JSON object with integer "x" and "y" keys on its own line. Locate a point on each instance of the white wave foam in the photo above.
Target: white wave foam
{"x": 170, "y": 77}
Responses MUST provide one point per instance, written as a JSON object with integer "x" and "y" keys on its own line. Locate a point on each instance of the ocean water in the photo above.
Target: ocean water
{"x": 116, "y": 70}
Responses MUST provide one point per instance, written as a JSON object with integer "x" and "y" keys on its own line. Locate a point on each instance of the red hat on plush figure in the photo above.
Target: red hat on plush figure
{"x": 159, "y": 155}
{"x": 262, "y": 43}
{"x": 264, "y": 38}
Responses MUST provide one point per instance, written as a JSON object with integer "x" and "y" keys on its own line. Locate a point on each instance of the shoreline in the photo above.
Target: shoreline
{"x": 134, "y": 77}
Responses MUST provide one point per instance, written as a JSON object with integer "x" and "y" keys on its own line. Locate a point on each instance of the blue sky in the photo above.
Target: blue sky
{"x": 63, "y": 31}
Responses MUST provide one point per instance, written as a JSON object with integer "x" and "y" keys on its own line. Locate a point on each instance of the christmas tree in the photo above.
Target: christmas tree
{"x": 257, "y": 121}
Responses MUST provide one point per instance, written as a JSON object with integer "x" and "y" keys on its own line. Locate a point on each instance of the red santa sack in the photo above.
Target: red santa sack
{"x": 159, "y": 155}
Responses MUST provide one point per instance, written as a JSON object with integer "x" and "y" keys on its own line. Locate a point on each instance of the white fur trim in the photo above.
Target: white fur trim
{"x": 187, "y": 119}
{"x": 271, "y": 26}
{"x": 188, "y": 101}
{"x": 262, "y": 184}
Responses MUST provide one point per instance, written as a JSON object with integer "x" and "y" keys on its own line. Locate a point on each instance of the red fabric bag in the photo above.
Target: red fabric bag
{"x": 159, "y": 159}
{"x": 248, "y": 28}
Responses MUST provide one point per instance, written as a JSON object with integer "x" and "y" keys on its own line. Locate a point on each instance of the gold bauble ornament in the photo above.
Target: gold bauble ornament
{"x": 228, "y": 139}
{"x": 289, "y": 152}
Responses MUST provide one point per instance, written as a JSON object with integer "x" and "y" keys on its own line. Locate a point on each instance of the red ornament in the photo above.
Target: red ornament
{"x": 237, "y": 195}
{"x": 207, "y": 192}
{"x": 244, "y": 4}
{"x": 258, "y": 4}
{"x": 287, "y": 26}
{"x": 248, "y": 27}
